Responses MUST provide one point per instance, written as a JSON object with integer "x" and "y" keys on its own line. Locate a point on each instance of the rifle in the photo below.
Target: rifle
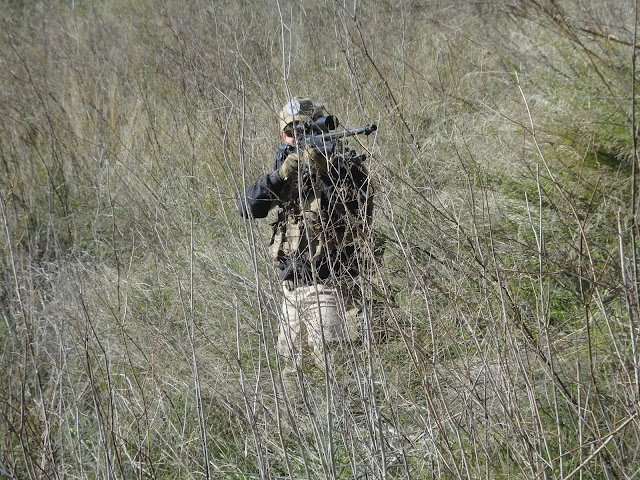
{"x": 318, "y": 133}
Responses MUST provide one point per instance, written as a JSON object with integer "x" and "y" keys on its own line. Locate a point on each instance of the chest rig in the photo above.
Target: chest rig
{"x": 321, "y": 215}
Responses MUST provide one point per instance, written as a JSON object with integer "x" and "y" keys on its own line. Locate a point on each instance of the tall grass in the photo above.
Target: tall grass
{"x": 139, "y": 312}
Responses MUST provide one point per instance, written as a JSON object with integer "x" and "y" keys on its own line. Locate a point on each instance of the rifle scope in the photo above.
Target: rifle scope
{"x": 322, "y": 124}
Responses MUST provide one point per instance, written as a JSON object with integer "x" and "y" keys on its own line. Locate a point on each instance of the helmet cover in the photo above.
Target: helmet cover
{"x": 299, "y": 109}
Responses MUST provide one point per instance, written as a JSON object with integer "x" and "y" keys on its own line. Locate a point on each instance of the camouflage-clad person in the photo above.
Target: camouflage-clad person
{"x": 324, "y": 204}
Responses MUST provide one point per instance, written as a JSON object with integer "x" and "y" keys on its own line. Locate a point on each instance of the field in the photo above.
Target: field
{"x": 139, "y": 311}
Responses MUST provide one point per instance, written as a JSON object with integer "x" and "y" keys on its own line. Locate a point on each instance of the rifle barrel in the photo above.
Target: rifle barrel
{"x": 366, "y": 130}
{"x": 323, "y": 142}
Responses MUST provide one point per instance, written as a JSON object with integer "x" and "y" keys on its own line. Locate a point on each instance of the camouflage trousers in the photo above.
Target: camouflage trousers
{"x": 316, "y": 320}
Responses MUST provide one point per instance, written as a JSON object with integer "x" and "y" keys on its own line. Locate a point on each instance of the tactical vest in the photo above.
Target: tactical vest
{"x": 323, "y": 216}
{"x": 299, "y": 231}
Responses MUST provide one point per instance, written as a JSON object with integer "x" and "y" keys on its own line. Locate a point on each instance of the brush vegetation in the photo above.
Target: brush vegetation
{"x": 139, "y": 312}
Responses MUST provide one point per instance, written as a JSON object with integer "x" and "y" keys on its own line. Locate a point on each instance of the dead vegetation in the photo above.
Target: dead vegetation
{"x": 139, "y": 311}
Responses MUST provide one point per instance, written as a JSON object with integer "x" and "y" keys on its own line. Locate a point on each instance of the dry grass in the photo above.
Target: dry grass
{"x": 139, "y": 311}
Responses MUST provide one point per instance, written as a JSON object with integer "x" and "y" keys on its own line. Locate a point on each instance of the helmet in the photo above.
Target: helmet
{"x": 299, "y": 109}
